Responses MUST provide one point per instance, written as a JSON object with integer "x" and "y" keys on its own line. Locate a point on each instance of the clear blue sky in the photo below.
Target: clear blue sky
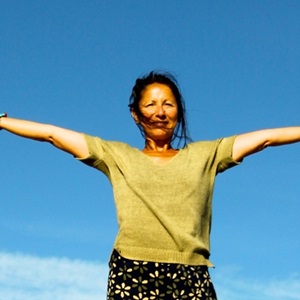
{"x": 73, "y": 64}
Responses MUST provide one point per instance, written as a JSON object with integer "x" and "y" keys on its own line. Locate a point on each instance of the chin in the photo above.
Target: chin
{"x": 160, "y": 137}
{"x": 159, "y": 134}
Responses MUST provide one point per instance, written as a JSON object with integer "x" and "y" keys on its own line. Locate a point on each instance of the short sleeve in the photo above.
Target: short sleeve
{"x": 225, "y": 154}
{"x": 103, "y": 154}
{"x": 96, "y": 152}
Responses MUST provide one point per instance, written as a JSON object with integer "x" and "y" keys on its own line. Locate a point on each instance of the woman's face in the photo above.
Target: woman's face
{"x": 159, "y": 111}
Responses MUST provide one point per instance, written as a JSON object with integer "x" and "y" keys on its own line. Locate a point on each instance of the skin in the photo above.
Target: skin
{"x": 158, "y": 137}
{"x": 159, "y": 111}
{"x": 158, "y": 104}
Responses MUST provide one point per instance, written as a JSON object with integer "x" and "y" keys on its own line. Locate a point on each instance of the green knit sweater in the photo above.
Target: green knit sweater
{"x": 163, "y": 212}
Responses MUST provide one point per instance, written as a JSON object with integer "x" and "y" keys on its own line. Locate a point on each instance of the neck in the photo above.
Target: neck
{"x": 154, "y": 146}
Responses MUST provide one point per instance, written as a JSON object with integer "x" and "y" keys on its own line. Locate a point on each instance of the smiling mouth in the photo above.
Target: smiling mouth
{"x": 159, "y": 124}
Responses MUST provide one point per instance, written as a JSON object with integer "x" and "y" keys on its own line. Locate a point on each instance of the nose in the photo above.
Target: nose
{"x": 160, "y": 112}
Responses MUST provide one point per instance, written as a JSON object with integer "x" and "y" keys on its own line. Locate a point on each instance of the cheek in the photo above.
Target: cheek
{"x": 147, "y": 114}
{"x": 174, "y": 116}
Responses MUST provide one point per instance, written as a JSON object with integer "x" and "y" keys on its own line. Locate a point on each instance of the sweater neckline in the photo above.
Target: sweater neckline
{"x": 159, "y": 165}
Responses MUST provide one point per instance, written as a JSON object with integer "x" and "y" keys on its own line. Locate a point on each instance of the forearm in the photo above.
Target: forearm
{"x": 252, "y": 142}
{"x": 283, "y": 136}
{"x": 27, "y": 129}
{"x": 64, "y": 139}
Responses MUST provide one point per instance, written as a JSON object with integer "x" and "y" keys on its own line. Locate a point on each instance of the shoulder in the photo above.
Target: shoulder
{"x": 212, "y": 143}
{"x": 96, "y": 143}
{"x": 203, "y": 144}
{"x": 105, "y": 151}
{"x": 221, "y": 146}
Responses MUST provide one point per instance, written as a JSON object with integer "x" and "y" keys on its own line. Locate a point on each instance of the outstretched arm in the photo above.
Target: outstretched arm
{"x": 67, "y": 140}
{"x": 252, "y": 142}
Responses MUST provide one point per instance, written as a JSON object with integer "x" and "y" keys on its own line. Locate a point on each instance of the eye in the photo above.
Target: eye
{"x": 169, "y": 104}
{"x": 149, "y": 104}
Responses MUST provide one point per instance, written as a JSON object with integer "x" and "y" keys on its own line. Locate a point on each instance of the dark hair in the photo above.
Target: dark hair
{"x": 181, "y": 130}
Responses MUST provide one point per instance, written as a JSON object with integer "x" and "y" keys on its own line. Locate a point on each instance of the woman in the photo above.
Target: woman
{"x": 163, "y": 194}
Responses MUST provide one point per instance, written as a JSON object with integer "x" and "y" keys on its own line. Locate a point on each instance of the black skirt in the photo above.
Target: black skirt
{"x": 133, "y": 280}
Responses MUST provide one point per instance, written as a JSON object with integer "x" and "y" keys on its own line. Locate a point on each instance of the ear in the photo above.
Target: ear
{"x": 134, "y": 116}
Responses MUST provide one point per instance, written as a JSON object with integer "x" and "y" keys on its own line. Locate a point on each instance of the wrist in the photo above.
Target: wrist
{"x": 3, "y": 115}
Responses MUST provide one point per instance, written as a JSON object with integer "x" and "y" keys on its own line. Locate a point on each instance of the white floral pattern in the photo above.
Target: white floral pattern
{"x": 134, "y": 280}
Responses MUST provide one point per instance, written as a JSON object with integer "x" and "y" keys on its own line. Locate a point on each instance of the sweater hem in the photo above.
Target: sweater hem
{"x": 163, "y": 256}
